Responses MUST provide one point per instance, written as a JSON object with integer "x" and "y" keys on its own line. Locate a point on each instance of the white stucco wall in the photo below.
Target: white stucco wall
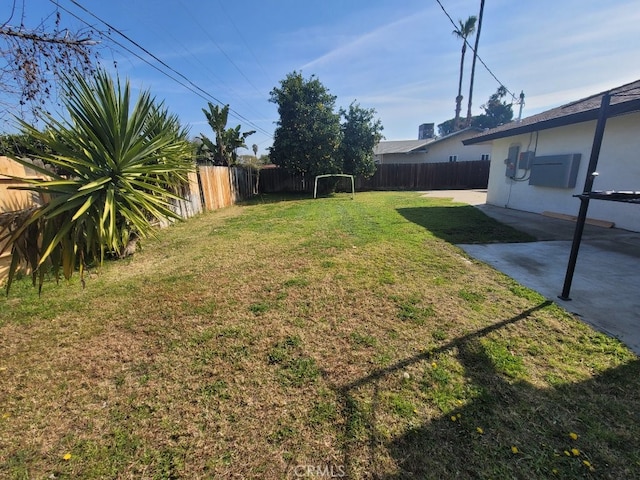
{"x": 618, "y": 166}
{"x": 440, "y": 151}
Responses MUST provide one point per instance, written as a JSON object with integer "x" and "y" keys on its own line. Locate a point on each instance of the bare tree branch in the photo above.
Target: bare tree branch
{"x": 32, "y": 60}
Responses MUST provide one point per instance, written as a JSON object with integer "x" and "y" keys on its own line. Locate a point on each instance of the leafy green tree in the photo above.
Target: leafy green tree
{"x": 310, "y": 137}
{"x": 307, "y": 135}
{"x": 124, "y": 164}
{"x": 224, "y": 150}
{"x": 496, "y": 112}
{"x": 463, "y": 31}
{"x": 360, "y": 134}
{"x": 446, "y": 127}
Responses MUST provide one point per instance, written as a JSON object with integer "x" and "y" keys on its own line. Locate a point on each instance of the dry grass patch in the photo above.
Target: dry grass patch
{"x": 304, "y": 337}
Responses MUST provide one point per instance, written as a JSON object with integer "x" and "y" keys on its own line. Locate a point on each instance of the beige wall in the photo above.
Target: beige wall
{"x": 11, "y": 200}
{"x": 440, "y": 151}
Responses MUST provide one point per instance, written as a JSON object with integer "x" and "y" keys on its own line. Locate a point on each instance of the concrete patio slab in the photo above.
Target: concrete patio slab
{"x": 605, "y": 291}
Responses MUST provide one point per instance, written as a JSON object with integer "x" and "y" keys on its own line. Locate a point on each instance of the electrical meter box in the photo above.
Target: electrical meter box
{"x": 525, "y": 160}
{"x": 558, "y": 171}
{"x": 512, "y": 162}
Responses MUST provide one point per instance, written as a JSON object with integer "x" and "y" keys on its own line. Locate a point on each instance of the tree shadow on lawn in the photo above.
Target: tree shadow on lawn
{"x": 463, "y": 224}
{"x": 477, "y": 440}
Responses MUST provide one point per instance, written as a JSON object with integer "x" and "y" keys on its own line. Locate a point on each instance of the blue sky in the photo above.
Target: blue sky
{"x": 398, "y": 57}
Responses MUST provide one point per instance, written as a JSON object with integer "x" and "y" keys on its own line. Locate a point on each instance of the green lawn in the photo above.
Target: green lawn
{"x": 299, "y": 338}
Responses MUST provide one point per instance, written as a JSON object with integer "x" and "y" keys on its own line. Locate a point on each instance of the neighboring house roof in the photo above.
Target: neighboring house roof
{"x": 401, "y": 146}
{"x": 456, "y": 134}
{"x": 416, "y": 146}
{"x": 624, "y": 99}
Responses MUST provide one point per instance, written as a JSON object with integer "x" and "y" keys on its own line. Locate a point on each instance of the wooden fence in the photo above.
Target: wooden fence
{"x": 11, "y": 200}
{"x": 221, "y": 187}
{"x": 414, "y": 176}
{"x": 209, "y": 188}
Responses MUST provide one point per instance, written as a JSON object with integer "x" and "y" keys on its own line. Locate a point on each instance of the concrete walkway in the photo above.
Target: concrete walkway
{"x": 605, "y": 292}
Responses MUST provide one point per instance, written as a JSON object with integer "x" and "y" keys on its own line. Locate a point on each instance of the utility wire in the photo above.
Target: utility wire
{"x": 191, "y": 87}
{"x": 473, "y": 50}
{"x": 229, "y": 59}
{"x": 230, "y": 20}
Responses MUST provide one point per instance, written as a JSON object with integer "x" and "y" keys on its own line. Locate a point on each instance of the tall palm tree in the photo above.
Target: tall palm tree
{"x": 462, "y": 32}
{"x": 473, "y": 64}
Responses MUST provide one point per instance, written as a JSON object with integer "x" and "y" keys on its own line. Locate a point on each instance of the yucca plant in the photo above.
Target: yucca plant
{"x": 113, "y": 172}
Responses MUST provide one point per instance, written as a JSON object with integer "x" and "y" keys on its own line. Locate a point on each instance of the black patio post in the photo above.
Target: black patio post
{"x": 584, "y": 197}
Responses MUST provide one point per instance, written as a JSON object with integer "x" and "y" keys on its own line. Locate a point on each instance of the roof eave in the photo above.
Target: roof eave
{"x": 579, "y": 117}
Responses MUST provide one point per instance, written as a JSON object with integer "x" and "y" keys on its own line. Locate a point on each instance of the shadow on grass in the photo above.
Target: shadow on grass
{"x": 463, "y": 224}
{"x": 266, "y": 198}
{"x": 477, "y": 439}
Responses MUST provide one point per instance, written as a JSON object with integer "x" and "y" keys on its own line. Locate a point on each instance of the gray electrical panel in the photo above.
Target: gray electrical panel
{"x": 558, "y": 171}
{"x": 525, "y": 160}
{"x": 512, "y": 162}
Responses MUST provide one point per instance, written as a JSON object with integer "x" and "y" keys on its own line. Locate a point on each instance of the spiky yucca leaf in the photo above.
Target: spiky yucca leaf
{"x": 118, "y": 167}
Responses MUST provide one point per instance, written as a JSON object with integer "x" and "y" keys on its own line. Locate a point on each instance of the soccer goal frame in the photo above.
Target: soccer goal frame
{"x": 315, "y": 186}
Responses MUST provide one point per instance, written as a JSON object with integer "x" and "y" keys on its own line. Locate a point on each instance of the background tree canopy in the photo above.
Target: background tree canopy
{"x": 496, "y": 112}
{"x": 224, "y": 150}
{"x": 309, "y": 137}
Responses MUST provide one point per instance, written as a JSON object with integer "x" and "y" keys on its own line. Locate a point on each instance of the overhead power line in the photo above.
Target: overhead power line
{"x": 191, "y": 86}
{"x": 474, "y": 51}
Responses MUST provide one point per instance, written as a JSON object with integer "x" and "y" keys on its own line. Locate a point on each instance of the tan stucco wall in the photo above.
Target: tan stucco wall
{"x": 11, "y": 200}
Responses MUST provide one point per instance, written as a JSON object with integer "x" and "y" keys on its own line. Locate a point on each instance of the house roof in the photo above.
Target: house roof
{"x": 413, "y": 146}
{"x": 456, "y": 134}
{"x": 624, "y": 99}
{"x": 401, "y": 146}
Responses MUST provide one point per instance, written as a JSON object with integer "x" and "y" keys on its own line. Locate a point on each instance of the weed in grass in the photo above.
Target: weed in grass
{"x": 295, "y": 369}
{"x": 526, "y": 293}
{"x": 504, "y": 361}
{"x": 299, "y": 371}
{"x": 387, "y": 278}
{"x": 323, "y": 413}
{"x": 439, "y": 335}
{"x": 282, "y": 351}
{"x": 259, "y": 308}
{"x": 473, "y": 298}
{"x": 409, "y": 309}
{"x": 205, "y": 308}
{"x": 203, "y": 337}
{"x": 217, "y": 389}
{"x": 233, "y": 332}
{"x": 400, "y": 405}
{"x": 362, "y": 340}
{"x": 282, "y": 434}
{"x": 296, "y": 282}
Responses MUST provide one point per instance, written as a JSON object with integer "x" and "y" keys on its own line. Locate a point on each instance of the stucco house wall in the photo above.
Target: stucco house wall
{"x": 618, "y": 168}
{"x": 432, "y": 150}
{"x": 440, "y": 151}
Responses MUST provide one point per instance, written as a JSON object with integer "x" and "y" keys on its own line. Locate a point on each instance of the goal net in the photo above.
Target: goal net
{"x": 315, "y": 186}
